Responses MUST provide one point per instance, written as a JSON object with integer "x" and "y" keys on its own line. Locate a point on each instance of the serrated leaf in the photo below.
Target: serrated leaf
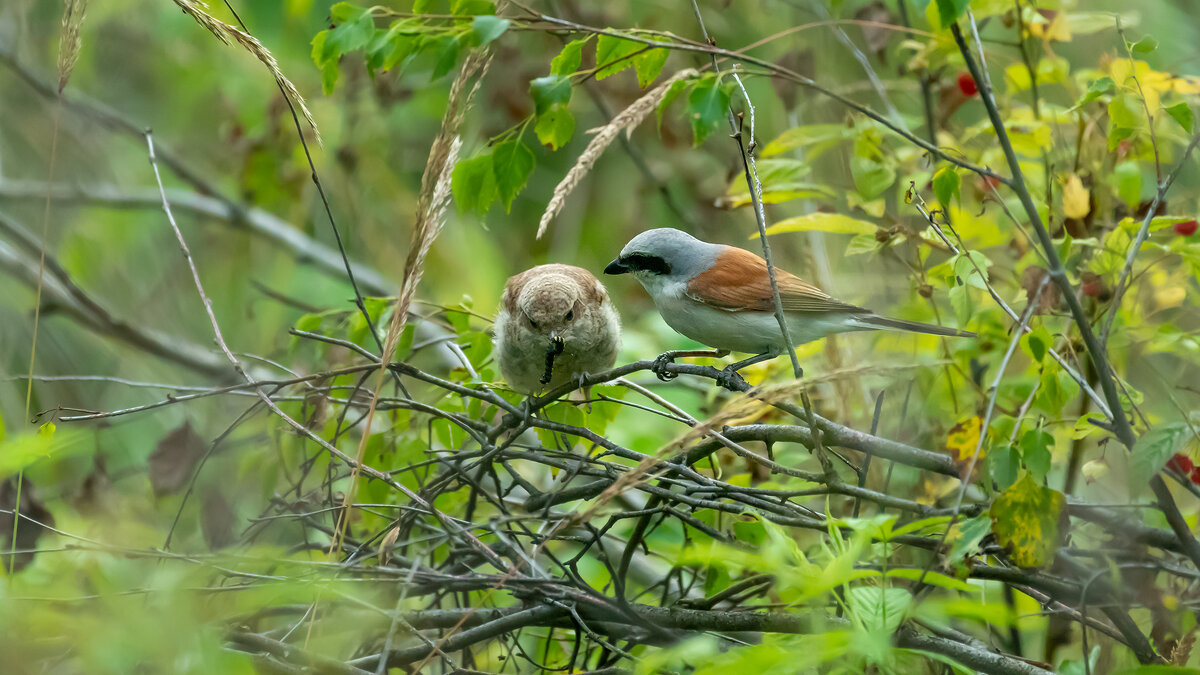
{"x": 1151, "y": 452}
{"x": 473, "y": 184}
{"x": 1025, "y": 521}
{"x": 1182, "y": 113}
{"x": 353, "y": 32}
{"x": 613, "y": 54}
{"x": 488, "y": 27}
{"x": 946, "y": 183}
{"x": 570, "y": 58}
{"x": 835, "y": 223}
{"x": 512, "y": 163}
{"x": 879, "y": 609}
{"x": 649, "y": 64}
{"x": 708, "y": 104}
{"x": 972, "y": 268}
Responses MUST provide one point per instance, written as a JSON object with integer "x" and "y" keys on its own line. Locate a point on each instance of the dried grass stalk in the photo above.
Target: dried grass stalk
{"x": 434, "y": 197}
{"x": 231, "y": 34}
{"x": 69, "y": 41}
{"x": 627, "y": 119}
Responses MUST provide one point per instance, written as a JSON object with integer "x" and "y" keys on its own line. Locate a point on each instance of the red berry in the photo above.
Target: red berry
{"x": 966, "y": 83}
{"x": 1181, "y": 463}
{"x": 1195, "y": 475}
{"x": 1093, "y": 285}
{"x": 1185, "y": 229}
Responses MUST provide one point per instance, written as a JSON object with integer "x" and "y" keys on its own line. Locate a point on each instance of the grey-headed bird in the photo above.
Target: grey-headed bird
{"x": 720, "y": 296}
{"x": 556, "y": 324}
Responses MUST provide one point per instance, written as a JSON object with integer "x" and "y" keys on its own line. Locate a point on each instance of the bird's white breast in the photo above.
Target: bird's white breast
{"x": 749, "y": 332}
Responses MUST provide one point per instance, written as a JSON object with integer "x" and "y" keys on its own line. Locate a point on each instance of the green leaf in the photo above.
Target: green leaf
{"x": 862, "y": 243}
{"x": 555, "y": 126}
{"x": 1152, "y": 450}
{"x": 512, "y": 163}
{"x": 447, "y": 57}
{"x": 879, "y": 609}
{"x": 488, "y": 27}
{"x": 1127, "y": 181}
{"x": 648, "y": 65}
{"x": 1025, "y": 521}
{"x": 550, "y": 91}
{"x": 871, "y": 178}
{"x": 613, "y": 55}
{"x": 473, "y": 184}
{"x": 472, "y": 7}
{"x": 1125, "y": 117}
{"x": 960, "y": 300}
{"x": 1035, "y": 451}
{"x": 570, "y": 58}
{"x": 1004, "y": 464}
{"x": 1182, "y": 113}
{"x": 814, "y": 138}
{"x": 1144, "y": 46}
{"x": 822, "y": 222}
{"x": 972, "y": 268}
{"x": 708, "y": 104}
{"x": 355, "y": 28}
{"x": 1037, "y": 342}
{"x": 965, "y": 536}
{"x": 950, "y": 10}
{"x": 23, "y": 450}
{"x": 946, "y": 184}
{"x": 329, "y": 76}
{"x": 671, "y": 94}
{"x": 1097, "y": 89}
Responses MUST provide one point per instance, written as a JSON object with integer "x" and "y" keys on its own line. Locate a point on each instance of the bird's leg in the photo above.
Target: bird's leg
{"x": 585, "y": 389}
{"x": 660, "y": 364}
{"x": 728, "y": 376}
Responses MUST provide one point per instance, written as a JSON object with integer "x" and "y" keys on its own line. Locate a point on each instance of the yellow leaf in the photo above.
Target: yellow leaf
{"x": 1075, "y": 198}
{"x": 1094, "y": 470}
{"x": 822, "y": 222}
{"x": 1056, "y": 28}
{"x": 964, "y": 438}
{"x": 1025, "y": 521}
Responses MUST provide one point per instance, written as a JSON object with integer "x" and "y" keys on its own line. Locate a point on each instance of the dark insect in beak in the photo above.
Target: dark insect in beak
{"x": 556, "y": 347}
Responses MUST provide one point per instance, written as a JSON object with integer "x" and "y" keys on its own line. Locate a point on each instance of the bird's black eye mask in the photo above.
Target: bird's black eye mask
{"x": 637, "y": 262}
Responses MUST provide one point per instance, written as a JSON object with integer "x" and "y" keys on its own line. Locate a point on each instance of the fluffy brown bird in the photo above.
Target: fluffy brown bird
{"x": 556, "y": 323}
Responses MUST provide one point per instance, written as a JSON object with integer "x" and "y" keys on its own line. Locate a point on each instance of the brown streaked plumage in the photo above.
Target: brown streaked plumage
{"x": 559, "y": 308}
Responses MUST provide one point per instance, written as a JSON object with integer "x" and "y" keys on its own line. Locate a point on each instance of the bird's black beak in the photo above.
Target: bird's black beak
{"x": 617, "y": 267}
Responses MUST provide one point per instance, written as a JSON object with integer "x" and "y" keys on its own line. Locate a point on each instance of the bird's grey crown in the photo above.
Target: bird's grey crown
{"x": 686, "y": 255}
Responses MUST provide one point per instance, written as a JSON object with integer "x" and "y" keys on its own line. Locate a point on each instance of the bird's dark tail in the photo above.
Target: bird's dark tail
{"x": 875, "y": 322}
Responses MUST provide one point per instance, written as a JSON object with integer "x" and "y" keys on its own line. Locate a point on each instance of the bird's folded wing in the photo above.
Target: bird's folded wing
{"x": 738, "y": 282}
